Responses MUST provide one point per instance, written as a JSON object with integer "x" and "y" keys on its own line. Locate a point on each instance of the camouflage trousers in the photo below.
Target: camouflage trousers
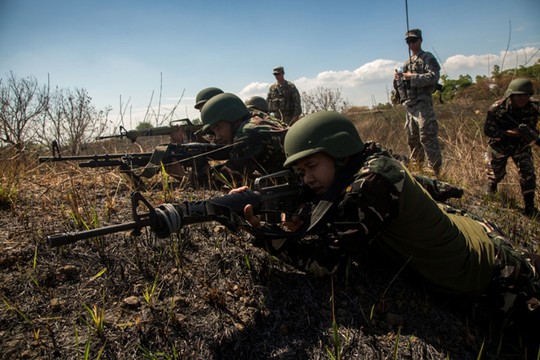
{"x": 422, "y": 129}
{"x": 524, "y": 161}
{"x": 516, "y": 276}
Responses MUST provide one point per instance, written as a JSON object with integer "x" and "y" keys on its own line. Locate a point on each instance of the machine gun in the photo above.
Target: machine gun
{"x": 274, "y": 193}
{"x": 167, "y": 153}
{"x": 185, "y": 125}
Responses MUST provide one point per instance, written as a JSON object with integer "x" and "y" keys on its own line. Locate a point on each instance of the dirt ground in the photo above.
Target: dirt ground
{"x": 207, "y": 293}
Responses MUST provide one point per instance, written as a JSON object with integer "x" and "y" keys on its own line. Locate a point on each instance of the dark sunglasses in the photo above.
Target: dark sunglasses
{"x": 411, "y": 40}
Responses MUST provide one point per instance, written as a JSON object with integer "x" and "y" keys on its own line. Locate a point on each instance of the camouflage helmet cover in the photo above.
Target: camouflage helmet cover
{"x": 258, "y": 103}
{"x": 413, "y": 33}
{"x": 226, "y": 107}
{"x": 519, "y": 86}
{"x": 324, "y": 131}
{"x": 206, "y": 94}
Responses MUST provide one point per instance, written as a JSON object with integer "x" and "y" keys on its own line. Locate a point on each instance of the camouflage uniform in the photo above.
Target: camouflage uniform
{"x": 501, "y": 117}
{"x": 255, "y": 113}
{"x": 421, "y": 123}
{"x": 284, "y": 101}
{"x": 384, "y": 207}
{"x": 260, "y": 147}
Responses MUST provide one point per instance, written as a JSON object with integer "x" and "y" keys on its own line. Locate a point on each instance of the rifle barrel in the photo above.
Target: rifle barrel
{"x": 109, "y": 137}
{"x": 71, "y": 237}
{"x": 80, "y": 157}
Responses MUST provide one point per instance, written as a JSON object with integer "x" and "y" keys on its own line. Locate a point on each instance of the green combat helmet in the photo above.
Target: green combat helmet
{"x": 519, "y": 86}
{"x": 257, "y": 103}
{"x": 226, "y": 107}
{"x": 324, "y": 131}
{"x": 206, "y": 94}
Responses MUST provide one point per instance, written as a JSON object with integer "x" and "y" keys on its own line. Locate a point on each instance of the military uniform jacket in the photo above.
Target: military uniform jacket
{"x": 420, "y": 87}
{"x": 259, "y": 148}
{"x": 501, "y": 117}
{"x": 384, "y": 206}
{"x": 284, "y": 98}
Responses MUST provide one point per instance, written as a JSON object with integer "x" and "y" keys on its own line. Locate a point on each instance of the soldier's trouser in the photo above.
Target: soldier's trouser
{"x": 516, "y": 274}
{"x": 524, "y": 162}
{"x": 422, "y": 129}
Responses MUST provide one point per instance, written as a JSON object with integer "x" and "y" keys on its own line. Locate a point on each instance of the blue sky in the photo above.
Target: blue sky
{"x": 129, "y": 50}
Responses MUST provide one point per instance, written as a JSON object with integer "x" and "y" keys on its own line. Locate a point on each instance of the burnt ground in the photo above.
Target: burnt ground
{"x": 207, "y": 293}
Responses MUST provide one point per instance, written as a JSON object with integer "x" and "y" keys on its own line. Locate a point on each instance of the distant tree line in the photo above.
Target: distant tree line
{"x": 484, "y": 87}
{"x": 33, "y": 114}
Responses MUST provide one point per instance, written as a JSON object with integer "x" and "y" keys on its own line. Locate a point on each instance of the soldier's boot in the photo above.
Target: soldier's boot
{"x": 491, "y": 189}
{"x": 530, "y": 210}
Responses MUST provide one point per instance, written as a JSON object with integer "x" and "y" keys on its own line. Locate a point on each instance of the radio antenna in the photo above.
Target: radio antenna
{"x": 407, "y": 18}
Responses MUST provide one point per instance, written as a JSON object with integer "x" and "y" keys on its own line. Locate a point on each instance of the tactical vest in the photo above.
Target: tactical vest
{"x": 417, "y": 65}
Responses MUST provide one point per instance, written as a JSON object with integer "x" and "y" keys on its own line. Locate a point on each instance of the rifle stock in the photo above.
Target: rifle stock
{"x": 278, "y": 192}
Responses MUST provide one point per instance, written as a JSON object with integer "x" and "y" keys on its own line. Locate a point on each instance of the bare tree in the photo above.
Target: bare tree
{"x": 22, "y": 104}
{"x": 324, "y": 99}
{"x": 72, "y": 119}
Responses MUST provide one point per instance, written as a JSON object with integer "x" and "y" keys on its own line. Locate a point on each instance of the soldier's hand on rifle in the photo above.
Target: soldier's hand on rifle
{"x": 292, "y": 224}
{"x": 408, "y": 75}
{"x": 529, "y": 133}
{"x": 249, "y": 214}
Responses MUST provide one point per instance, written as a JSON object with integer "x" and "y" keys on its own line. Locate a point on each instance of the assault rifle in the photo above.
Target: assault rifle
{"x": 169, "y": 153}
{"x": 274, "y": 193}
{"x": 526, "y": 131}
{"x": 186, "y": 125}
{"x": 529, "y": 134}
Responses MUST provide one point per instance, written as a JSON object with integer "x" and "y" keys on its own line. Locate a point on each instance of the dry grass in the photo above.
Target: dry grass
{"x": 208, "y": 294}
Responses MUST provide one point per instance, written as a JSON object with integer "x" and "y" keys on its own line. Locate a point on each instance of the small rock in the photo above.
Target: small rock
{"x": 132, "y": 302}
{"x": 70, "y": 272}
{"x": 57, "y": 304}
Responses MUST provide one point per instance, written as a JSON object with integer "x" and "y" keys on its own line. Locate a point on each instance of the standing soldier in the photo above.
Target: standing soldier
{"x": 414, "y": 86}
{"x": 511, "y": 127}
{"x": 284, "y": 99}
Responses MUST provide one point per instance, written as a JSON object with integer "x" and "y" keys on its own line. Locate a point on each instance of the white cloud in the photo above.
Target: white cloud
{"x": 357, "y": 86}
{"x": 483, "y": 64}
{"x": 371, "y": 82}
